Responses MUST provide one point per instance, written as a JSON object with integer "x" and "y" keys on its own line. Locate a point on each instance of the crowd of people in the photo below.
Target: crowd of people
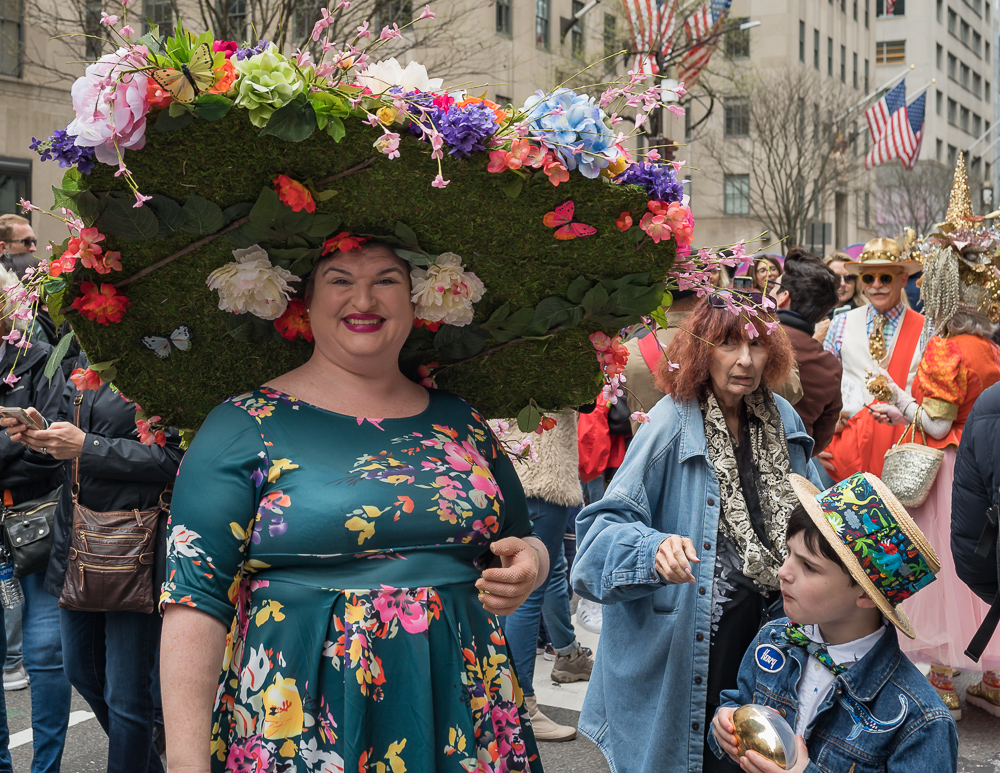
{"x": 725, "y": 526}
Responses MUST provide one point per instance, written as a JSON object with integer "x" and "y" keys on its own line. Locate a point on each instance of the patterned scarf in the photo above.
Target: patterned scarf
{"x": 795, "y": 636}
{"x": 771, "y": 460}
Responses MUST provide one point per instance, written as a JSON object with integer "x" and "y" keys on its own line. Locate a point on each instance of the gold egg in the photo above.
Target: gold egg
{"x": 755, "y": 732}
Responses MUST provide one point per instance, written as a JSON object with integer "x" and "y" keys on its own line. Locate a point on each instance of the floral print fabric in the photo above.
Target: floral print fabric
{"x": 342, "y": 554}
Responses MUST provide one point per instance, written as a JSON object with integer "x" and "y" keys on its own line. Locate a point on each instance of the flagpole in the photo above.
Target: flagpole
{"x": 877, "y": 91}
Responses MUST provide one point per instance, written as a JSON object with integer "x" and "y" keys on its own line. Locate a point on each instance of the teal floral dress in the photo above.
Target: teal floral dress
{"x": 342, "y": 554}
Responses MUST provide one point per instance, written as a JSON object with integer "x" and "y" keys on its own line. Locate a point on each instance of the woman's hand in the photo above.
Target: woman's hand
{"x": 14, "y": 427}
{"x": 62, "y": 440}
{"x": 674, "y": 557}
{"x": 752, "y": 762}
{"x": 886, "y": 414}
{"x": 724, "y": 732}
{"x": 821, "y": 330}
{"x": 503, "y": 589}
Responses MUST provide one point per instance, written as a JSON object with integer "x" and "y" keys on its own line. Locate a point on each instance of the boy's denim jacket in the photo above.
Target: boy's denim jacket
{"x": 882, "y": 714}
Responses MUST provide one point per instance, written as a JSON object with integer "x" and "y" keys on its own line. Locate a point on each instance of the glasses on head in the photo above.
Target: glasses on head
{"x": 869, "y": 279}
{"x": 28, "y": 241}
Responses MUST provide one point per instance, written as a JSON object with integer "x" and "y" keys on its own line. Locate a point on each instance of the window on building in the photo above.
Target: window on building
{"x": 986, "y": 50}
{"x": 610, "y": 41}
{"x": 866, "y": 13}
{"x": 94, "y": 45}
{"x": 977, "y": 83}
{"x": 736, "y": 194}
{"x": 160, "y": 13}
{"x": 815, "y": 122}
{"x": 952, "y": 67}
{"x": 898, "y": 10}
{"x": 843, "y": 6}
{"x": 964, "y": 32}
{"x": 977, "y": 125}
{"x": 504, "y": 26}
{"x": 866, "y": 76}
{"x": 977, "y": 41}
{"x": 854, "y": 57}
{"x": 855, "y": 145}
{"x": 737, "y": 120}
{"x": 503, "y": 99}
{"x": 938, "y": 150}
{"x": 952, "y": 112}
{"x": 738, "y": 40}
{"x": 304, "y": 17}
{"x": 843, "y": 64}
{"x": 855, "y": 10}
{"x": 964, "y": 75}
{"x": 12, "y": 39}
{"x": 868, "y": 210}
{"x": 940, "y": 10}
{"x": 952, "y": 22}
{"x": 952, "y": 155}
{"x": 890, "y": 52}
{"x": 829, "y": 57}
{"x": 238, "y": 18}
{"x": 543, "y": 11}
{"x": 802, "y": 41}
{"x": 986, "y": 91}
{"x": 939, "y": 103}
{"x": 391, "y": 12}
{"x": 964, "y": 119}
{"x": 816, "y": 50}
{"x": 15, "y": 178}
{"x": 939, "y": 58}
{"x": 576, "y": 42}
{"x": 987, "y": 9}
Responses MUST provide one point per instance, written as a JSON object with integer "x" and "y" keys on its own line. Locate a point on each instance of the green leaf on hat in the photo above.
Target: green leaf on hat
{"x": 120, "y": 218}
{"x": 513, "y": 189}
{"x": 514, "y": 326}
{"x": 406, "y": 234}
{"x": 248, "y": 328}
{"x": 323, "y": 226}
{"x": 459, "y": 343}
{"x": 236, "y": 211}
{"x": 335, "y": 128}
{"x": 295, "y": 121}
{"x": 553, "y": 312}
{"x": 84, "y": 203}
{"x": 577, "y": 289}
{"x": 529, "y": 418}
{"x": 168, "y": 212}
{"x": 202, "y": 216}
{"x": 56, "y": 356}
{"x": 167, "y": 122}
{"x": 211, "y": 107}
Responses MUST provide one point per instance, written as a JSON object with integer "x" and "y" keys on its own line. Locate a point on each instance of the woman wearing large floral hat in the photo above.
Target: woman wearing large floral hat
{"x": 344, "y": 474}
{"x": 884, "y": 334}
{"x": 961, "y": 296}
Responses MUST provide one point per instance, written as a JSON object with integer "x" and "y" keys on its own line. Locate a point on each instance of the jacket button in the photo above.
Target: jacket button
{"x": 711, "y": 501}
{"x": 96, "y": 443}
{"x": 701, "y": 591}
{"x": 694, "y": 725}
{"x": 707, "y": 546}
{"x": 699, "y": 637}
{"x": 697, "y": 680}
{"x": 782, "y": 712}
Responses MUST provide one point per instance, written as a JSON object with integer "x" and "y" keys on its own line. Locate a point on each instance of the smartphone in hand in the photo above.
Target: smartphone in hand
{"x": 22, "y": 416}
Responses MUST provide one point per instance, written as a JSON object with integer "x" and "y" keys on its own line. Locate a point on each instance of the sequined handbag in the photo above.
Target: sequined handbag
{"x": 910, "y": 468}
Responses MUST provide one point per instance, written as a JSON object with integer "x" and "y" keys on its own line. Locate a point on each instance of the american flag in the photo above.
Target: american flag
{"x": 651, "y": 27}
{"x": 878, "y": 114}
{"x": 890, "y": 7}
{"x": 901, "y": 137}
{"x": 703, "y": 23}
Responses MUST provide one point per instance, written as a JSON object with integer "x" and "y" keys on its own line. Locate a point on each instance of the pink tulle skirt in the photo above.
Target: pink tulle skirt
{"x": 945, "y": 613}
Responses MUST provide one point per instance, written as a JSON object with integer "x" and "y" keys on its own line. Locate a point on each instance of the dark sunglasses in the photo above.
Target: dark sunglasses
{"x": 28, "y": 241}
{"x": 849, "y": 278}
{"x": 869, "y": 279}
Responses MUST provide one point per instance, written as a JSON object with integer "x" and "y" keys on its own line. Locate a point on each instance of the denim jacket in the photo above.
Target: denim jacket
{"x": 881, "y": 716}
{"x": 645, "y": 706}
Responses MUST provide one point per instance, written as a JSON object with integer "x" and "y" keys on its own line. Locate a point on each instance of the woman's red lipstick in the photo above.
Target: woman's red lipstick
{"x": 363, "y": 323}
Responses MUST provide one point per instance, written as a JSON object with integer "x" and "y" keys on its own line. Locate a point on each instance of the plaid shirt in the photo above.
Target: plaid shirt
{"x": 835, "y": 335}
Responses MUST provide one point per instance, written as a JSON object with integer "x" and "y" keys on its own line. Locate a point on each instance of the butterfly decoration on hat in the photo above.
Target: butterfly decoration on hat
{"x": 562, "y": 220}
{"x": 161, "y": 346}
{"x": 192, "y": 79}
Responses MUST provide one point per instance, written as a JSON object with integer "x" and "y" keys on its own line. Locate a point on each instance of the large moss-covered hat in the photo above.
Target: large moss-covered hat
{"x": 213, "y": 177}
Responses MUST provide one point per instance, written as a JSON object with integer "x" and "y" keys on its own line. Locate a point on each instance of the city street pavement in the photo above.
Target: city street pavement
{"x": 86, "y": 744}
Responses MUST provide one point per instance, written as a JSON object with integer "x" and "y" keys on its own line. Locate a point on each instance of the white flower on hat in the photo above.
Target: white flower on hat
{"x": 382, "y": 76}
{"x": 445, "y": 291}
{"x": 252, "y": 284}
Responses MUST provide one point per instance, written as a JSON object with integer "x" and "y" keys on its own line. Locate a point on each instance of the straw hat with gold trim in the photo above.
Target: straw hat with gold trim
{"x": 878, "y": 542}
{"x": 881, "y": 253}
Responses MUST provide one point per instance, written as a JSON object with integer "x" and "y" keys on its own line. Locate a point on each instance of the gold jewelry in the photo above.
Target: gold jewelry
{"x": 878, "y": 386}
{"x": 876, "y": 341}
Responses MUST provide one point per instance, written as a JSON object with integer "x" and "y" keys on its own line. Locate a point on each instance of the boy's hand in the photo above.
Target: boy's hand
{"x": 722, "y": 729}
{"x": 752, "y": 762}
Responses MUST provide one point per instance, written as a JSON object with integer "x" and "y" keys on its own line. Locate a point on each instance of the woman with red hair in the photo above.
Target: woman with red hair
{"x": 685, "y": 546}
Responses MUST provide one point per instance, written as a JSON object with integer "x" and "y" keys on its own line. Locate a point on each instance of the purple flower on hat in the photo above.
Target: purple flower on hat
{"x": 659, "y": 181}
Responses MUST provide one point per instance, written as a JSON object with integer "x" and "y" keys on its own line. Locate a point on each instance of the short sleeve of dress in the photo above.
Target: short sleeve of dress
{"x": 212, "y": 513}
{"x": 516, "y": 522}
{"x": 943, "y": 379}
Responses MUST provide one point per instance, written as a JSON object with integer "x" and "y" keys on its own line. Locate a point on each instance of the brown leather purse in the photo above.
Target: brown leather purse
{"x": 111, "y": 554}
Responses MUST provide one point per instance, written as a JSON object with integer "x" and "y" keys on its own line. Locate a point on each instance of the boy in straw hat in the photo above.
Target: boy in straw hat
{"x": 833, "y": 668}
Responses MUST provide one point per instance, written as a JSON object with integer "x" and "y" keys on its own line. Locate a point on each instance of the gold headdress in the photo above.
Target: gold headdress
{"x": 960, "y": 261}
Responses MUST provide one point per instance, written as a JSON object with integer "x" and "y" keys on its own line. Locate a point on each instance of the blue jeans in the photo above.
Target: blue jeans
{"x": 5, "y": 764}
{"x": 110, "y": 659}
{"x": 550, "y": 600}
{"x": 50, "y": 690}
{"x": 15, "y": 639}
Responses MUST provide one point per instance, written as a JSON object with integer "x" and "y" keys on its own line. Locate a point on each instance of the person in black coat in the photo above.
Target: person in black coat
{"x": 110, "y": 657}
{"x": 25, "y": 476}
{"x": 975, "y": 490}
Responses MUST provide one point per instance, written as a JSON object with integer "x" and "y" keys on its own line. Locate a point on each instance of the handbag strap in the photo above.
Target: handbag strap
{"x": 75, "y": 490}
{"x": 916, "y": 425}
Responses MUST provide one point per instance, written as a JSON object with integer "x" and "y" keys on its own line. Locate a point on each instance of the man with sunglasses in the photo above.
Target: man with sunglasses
{"x": 17, "y": 244}
{"x": 884, "y": 335}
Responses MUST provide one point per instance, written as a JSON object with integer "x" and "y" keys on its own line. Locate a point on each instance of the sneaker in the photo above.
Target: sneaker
{"x": 985, "y": 697}
{"x": 590, "y": 615}
{"x": 16, "y": 678}
{"x": 575, "y": 667}
{"x": 545, "y": 729}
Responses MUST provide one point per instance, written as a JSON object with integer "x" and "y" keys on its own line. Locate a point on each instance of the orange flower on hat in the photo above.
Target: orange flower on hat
{"x": 156, "y": 95}
{"x": 295, "y": 321}
{"x": 498, "y": 111}
{"x": 624, "y": 221}
{"x": 293, "y": 194}
{"x": 85, "y": 379}
{"x": 343, "y": 242}
{"x": 225, "y": 77}
{"x": 103, "y": 305}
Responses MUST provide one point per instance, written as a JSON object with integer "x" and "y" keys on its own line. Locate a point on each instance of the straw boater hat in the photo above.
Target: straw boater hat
{"x": 881, "y": 253}
{"x": 881, "y": 546}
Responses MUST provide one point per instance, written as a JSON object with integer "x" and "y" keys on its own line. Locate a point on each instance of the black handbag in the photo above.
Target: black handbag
{"x": 27, "y": 533}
